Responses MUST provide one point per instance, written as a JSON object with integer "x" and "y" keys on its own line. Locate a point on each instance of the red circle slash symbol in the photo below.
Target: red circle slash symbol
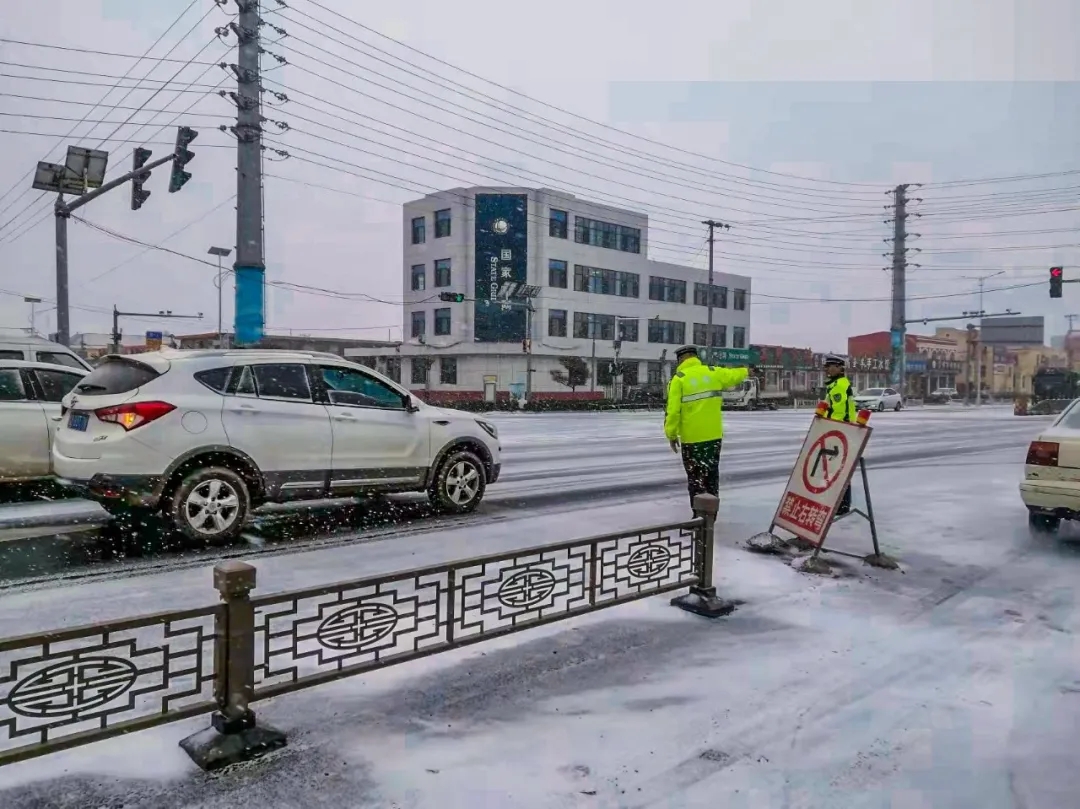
{"x": 825, "y": 462}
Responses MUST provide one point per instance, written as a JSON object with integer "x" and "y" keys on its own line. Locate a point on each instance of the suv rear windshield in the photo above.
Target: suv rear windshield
{"x": 116, "y": 376}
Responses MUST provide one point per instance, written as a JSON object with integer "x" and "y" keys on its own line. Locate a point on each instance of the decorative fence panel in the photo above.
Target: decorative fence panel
{"x": 65, "y": 688}
{"x": 73, "y": 686}
{"x": 312, "y": 636}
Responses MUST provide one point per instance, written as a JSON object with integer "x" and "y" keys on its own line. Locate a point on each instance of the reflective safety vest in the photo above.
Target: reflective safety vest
{"x": 694, "y": 408}
{"x": 841, "y": 398}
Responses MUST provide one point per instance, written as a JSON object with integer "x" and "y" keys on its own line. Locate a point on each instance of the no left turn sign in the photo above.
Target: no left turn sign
{"x": 824, "y": 464}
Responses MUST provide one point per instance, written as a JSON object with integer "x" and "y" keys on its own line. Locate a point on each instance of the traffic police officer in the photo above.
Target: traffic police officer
{"x": 694, "y": 420}
{"x": 840, "y": 398}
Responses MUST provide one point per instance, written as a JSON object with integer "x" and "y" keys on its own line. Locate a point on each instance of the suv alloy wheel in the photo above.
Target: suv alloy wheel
{"x": 210, "y": 505}
{"x": 459, "y": 484}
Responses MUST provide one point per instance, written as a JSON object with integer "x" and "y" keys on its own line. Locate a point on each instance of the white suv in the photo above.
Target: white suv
{"x": 206, "y": 436}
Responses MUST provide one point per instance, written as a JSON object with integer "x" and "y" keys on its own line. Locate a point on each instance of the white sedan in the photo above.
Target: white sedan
{"x": 1051, "y": 485}
{"x": 30, "y": 410}
{"x": 878, "y": 399}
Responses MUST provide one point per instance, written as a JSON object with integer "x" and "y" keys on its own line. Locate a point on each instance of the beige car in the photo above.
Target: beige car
{"x": 1051, "y": 485}
{"x": 30, "y": 411}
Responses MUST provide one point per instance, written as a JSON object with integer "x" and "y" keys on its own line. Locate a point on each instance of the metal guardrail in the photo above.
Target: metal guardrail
{"x": 70, "y": 687}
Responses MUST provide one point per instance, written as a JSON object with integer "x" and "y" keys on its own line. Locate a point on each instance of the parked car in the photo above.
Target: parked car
{"x": 16, "y": 345}
{"x": 943, "y": 396}
{"x": 1051, "y": 485}
{"x": 30, "y": 411}
{"x": 206, "y": 436}
{"x": 878, "y": 399}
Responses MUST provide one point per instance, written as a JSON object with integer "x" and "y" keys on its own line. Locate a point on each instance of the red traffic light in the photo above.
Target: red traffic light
{"x": 1055, "y": 272}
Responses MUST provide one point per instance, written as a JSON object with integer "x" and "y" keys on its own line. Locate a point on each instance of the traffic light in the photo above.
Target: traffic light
{"x": 452, "y": 297}
{"x": 1056, "y": 279}
{"x": 181, "y": 157}
{"x": 138, "y": 194}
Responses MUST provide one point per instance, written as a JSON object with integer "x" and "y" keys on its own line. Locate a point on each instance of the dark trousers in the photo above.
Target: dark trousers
{"x": 702, "y": 464}
{"x": 845, "y": 502}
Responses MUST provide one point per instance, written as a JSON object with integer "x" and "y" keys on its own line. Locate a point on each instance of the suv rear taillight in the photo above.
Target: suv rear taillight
{"x": 130, "y": 416}
{"x": 1042, "y": 453}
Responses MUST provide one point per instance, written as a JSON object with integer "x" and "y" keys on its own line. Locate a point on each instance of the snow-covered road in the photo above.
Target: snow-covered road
{"x": 562, "y": 463}
{"x": 953, "y": 684}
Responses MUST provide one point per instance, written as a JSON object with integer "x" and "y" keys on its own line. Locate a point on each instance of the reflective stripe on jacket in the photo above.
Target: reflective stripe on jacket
{"x": 694, "y": 408}
{"x": 841, "y": 398}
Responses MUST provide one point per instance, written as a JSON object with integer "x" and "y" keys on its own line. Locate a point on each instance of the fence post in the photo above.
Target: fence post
{"x": 233, "y": 735}
{"x": 702, "y": 598}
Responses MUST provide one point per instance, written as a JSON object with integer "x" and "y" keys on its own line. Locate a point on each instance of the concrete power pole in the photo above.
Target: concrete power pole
{"x": 250, "y": 265}
{"x": 710, "y": 341}
{"x": 899, "y": 290}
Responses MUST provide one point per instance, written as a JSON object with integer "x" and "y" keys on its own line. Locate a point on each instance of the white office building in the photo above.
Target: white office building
{"x": 597, "y": 298}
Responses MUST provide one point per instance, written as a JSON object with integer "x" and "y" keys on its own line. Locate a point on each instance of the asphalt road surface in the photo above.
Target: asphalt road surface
{"x": 559, "y": 462}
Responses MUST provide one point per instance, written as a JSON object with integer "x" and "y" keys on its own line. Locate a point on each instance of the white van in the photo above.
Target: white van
{"x": 18, "y": 345}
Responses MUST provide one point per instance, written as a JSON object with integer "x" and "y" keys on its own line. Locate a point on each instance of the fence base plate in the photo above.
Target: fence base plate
{"x": 704, "y": 601}
{"x": 212, "y": 750}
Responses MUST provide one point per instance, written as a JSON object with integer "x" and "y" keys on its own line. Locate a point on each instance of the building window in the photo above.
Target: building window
{"x": 605, "y": 234}
{"x": 738, "y": 337}
{"x": 605, "y": 372}
{"x": 556, "y": 323}
{"x": 654, "y": 373}
{"x": 419, "y": 276}
{"x": 418, "y": 324}
{"x": 448, "y": 370}
{"x": 442, "y": 322}
{"x": 420, "y": 367}
{"x": 606, "y": 282}
{"x": 419, "y": 230}
{"x": 667, "y": 289}
{"x": 393, "y": 369}
{"x": 629, "y": 373}
{"x": 738, "y": 299}
{"x": 701, "y": 335}
{"x": 442, "y": 272}
{"x": 557, "y": 224}
{"x": 594, "y": 327}
{"x": 701, "y": 296}
{"x": 442, "y": 223}
{"x": 556, "y": 273}
{"x": 667, "y": 331}
{"x": 627, "y": 328}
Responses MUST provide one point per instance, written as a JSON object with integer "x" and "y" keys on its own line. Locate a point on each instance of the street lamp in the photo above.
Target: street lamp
{"x": 220, "y": 252}
{"x": 33, "y": 313}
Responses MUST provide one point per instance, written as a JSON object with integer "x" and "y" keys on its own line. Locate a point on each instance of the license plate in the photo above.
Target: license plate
{"x": 78, "y": 421}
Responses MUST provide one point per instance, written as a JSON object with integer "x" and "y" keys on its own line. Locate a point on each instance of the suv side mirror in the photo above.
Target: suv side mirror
{"x": 410, "y": 405}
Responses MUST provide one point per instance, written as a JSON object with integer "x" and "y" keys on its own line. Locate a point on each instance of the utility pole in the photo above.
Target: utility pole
{"x": 1068, "y": 343}
{"x": 899, "y": 290}
{"x": 528, "y": 348}
{"x": 117, "y": 335}
{"x": 982, "y": 279}
{"x": 710, "y": 340}
{"x": 250, "y": 265}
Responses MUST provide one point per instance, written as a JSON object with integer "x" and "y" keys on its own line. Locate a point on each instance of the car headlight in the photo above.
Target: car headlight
{"x": 490, "y": 429}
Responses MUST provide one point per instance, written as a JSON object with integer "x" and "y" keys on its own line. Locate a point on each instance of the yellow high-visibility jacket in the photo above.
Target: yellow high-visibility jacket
{"x": 694, "y": 407}
{"x": 841, "y": 398}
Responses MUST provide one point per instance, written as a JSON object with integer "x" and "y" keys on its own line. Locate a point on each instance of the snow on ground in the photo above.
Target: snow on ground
{"x": 951, "y": 684}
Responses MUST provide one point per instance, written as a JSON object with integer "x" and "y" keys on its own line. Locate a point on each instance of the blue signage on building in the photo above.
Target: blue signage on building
{"x": 502, "y": 242}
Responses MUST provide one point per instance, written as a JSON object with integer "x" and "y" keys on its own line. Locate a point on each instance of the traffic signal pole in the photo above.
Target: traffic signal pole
{"x": 62, "y": 211}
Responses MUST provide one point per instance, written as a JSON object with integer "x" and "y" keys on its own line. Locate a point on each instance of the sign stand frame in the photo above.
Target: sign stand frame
{"x": 769, "y": 543}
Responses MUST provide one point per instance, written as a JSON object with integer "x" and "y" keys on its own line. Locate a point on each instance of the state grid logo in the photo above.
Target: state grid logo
{"x": 500, "y": 226}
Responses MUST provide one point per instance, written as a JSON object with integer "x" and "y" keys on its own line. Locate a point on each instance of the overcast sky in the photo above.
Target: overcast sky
{"x": 839, "y": 100}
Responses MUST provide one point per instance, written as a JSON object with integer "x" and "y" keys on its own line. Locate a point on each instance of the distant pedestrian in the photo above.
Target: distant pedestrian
{"x": 694, "y": 418}
{"x": 840, "y": 397}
